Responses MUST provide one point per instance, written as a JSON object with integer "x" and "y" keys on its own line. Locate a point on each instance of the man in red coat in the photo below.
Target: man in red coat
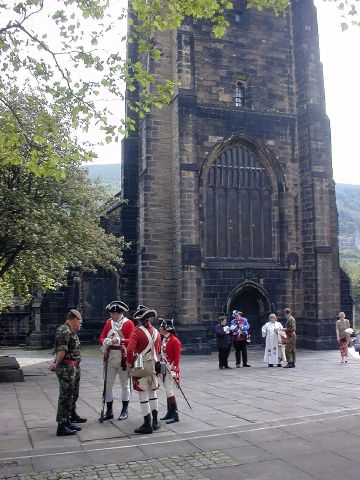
{"x": 145, "y": 341}
{"x": 114, "y": 338}
{"x": 170, "y": 355}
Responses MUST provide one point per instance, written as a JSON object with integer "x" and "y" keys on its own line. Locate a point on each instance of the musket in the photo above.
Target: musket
{"x": 178, "y": 385}
{"x": 101, "y": 419}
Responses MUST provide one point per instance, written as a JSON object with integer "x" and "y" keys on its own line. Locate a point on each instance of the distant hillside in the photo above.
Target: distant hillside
{"x": 108, "y": 174}
{"x": 348, "y": 204}
{"x": 347, "y": 196}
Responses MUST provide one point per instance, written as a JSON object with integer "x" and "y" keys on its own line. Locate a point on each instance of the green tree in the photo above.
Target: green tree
{"x": 76, "y": 40}
{"x": 350, "y": 263}
{"x": 48, "y": 224}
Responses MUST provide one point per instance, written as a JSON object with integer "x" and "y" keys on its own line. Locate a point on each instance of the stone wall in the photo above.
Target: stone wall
{"x": 15, "y": 326}
{"x": 283, "y": 122}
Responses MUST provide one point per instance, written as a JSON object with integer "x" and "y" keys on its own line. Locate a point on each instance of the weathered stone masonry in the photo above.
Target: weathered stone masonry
{"x": 233, "y": 206}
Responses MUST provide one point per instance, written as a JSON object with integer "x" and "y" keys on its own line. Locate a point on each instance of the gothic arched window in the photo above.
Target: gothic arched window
{"x": 238, "y": 207}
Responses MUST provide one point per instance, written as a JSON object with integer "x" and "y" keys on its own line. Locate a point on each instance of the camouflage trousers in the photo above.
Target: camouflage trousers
{"x": 290, "y": 349}
{"x": 69, "y": 380}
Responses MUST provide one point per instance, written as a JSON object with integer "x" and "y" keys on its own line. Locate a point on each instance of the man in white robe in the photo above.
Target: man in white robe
{"x": 271, "y": 331}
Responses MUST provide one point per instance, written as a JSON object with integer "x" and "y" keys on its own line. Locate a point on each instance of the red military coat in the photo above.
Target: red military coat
{"x": 171, "y": 352}
{"x": 138, "y": 342}
{"x": 125, "y": 331}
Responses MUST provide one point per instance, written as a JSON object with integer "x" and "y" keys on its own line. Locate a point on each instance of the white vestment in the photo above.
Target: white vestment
{"x": 270, "y": 331}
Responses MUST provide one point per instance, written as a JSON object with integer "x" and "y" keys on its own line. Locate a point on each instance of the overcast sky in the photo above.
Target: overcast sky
{"x": 340, "y": 57}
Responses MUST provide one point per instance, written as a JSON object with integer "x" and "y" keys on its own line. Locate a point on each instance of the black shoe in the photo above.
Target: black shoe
{"x": 169, "y": 409}
{"x": 289, "y": 365}
{"x": 146, "y": 426}
{"x": 167, "y": 416}
{"x": 64, "y": 431}
{"x": 221, "y": 368}
{"x": 109, "y": 411}
{"x": 155, "y": 424}
{"x": 228, "y": 368}
{"x": 144, "y": 429}
{"x": 108, "y": 415}
{"x": 75, "y": 418}
{"x": 270, "y": 365}
{"x": 246, "y": 365}
{"x": 279, "y": 365}
{"x": 238, "y": 365}
{"x": 123, "y": 415}
{"x": 74, "y": 427}
{"x": 174, "y": 418}
{"x": 124, "y": 412}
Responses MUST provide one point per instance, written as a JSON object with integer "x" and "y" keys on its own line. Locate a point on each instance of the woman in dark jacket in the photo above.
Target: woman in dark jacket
{"x": 223, "y": 342}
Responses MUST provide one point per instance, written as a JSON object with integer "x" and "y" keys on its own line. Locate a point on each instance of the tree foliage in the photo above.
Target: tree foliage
{"x": 48, "y": 224}
{"x": 350, "y": 263}
{"x": 70, "y": 50}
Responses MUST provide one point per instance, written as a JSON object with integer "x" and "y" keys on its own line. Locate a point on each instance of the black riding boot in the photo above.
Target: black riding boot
{"x": 124, "y": 411}
{"x": 64, "y": 430}
{"x": 146, "y": 426}
{"x": 168, "y": 413}
{"x": 109, "y": 411}
{"x": 174, "y": 413}
{"x": 155, "y": 424}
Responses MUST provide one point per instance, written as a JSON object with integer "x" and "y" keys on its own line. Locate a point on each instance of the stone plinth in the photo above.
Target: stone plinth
{"x": 10, "y": 370}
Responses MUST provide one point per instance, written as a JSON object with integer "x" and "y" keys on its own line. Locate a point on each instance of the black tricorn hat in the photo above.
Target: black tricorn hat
{"x": 144, "y": 313}
{"x": 167, "y": 324}
{"x": 117, "y": 306}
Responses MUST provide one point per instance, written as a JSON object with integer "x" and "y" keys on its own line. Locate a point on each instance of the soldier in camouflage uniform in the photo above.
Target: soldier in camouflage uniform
{"x": 290, "y": 347}
{"x": 67, "y": 368}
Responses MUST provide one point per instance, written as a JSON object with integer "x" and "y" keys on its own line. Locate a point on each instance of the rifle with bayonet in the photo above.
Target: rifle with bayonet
{"x": 106, "y": 361}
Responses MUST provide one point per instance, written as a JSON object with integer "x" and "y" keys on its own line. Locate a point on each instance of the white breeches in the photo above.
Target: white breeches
{"x": 148, "y": 401}
{"x": 112, "y": 372}
{"x": 169, "y": 385}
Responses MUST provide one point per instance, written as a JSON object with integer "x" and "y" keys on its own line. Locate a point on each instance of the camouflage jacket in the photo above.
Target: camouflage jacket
{"x": 290, "y": 326}
{"x": 66, "y": 339}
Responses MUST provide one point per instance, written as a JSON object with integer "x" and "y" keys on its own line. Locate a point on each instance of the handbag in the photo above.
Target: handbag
{"x": 144, "y": 367}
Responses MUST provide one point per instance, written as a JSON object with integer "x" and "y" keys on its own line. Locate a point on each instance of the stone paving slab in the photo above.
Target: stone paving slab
{"x": 323, "y": 462}
{"x": 263, "y": 422}
{"x": 185, "y": 467}
{"x": 271, "y": 469}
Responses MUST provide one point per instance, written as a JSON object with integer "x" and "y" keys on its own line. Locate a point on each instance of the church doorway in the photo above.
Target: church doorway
{"x": 253, "y": 300}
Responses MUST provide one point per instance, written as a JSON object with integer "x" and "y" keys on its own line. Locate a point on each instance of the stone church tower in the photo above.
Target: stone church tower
{"x": 231, "y": 198}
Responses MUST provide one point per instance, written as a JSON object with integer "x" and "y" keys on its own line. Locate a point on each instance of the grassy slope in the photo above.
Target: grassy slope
{"x": 347, "y": 196}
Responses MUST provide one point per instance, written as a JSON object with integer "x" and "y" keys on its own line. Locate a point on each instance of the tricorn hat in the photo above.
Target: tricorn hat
{"x": 167, "y": 324}
{"x": 144, "y": 313}
{"x": 117, "y": 306}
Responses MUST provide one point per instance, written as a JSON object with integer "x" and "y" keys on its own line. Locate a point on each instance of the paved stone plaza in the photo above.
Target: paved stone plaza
{"x": 249, "y": 423}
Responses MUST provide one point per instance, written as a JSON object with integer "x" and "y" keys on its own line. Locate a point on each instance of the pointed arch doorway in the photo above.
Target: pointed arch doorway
{"x": 253, "y": 300}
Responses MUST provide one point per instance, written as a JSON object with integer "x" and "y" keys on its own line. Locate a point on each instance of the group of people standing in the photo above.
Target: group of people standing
{"x": 140, "y": 354}
{"x": 238, "y": 331}
{"x": 280, "y": 341}
{"x": 143, "y": 355}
